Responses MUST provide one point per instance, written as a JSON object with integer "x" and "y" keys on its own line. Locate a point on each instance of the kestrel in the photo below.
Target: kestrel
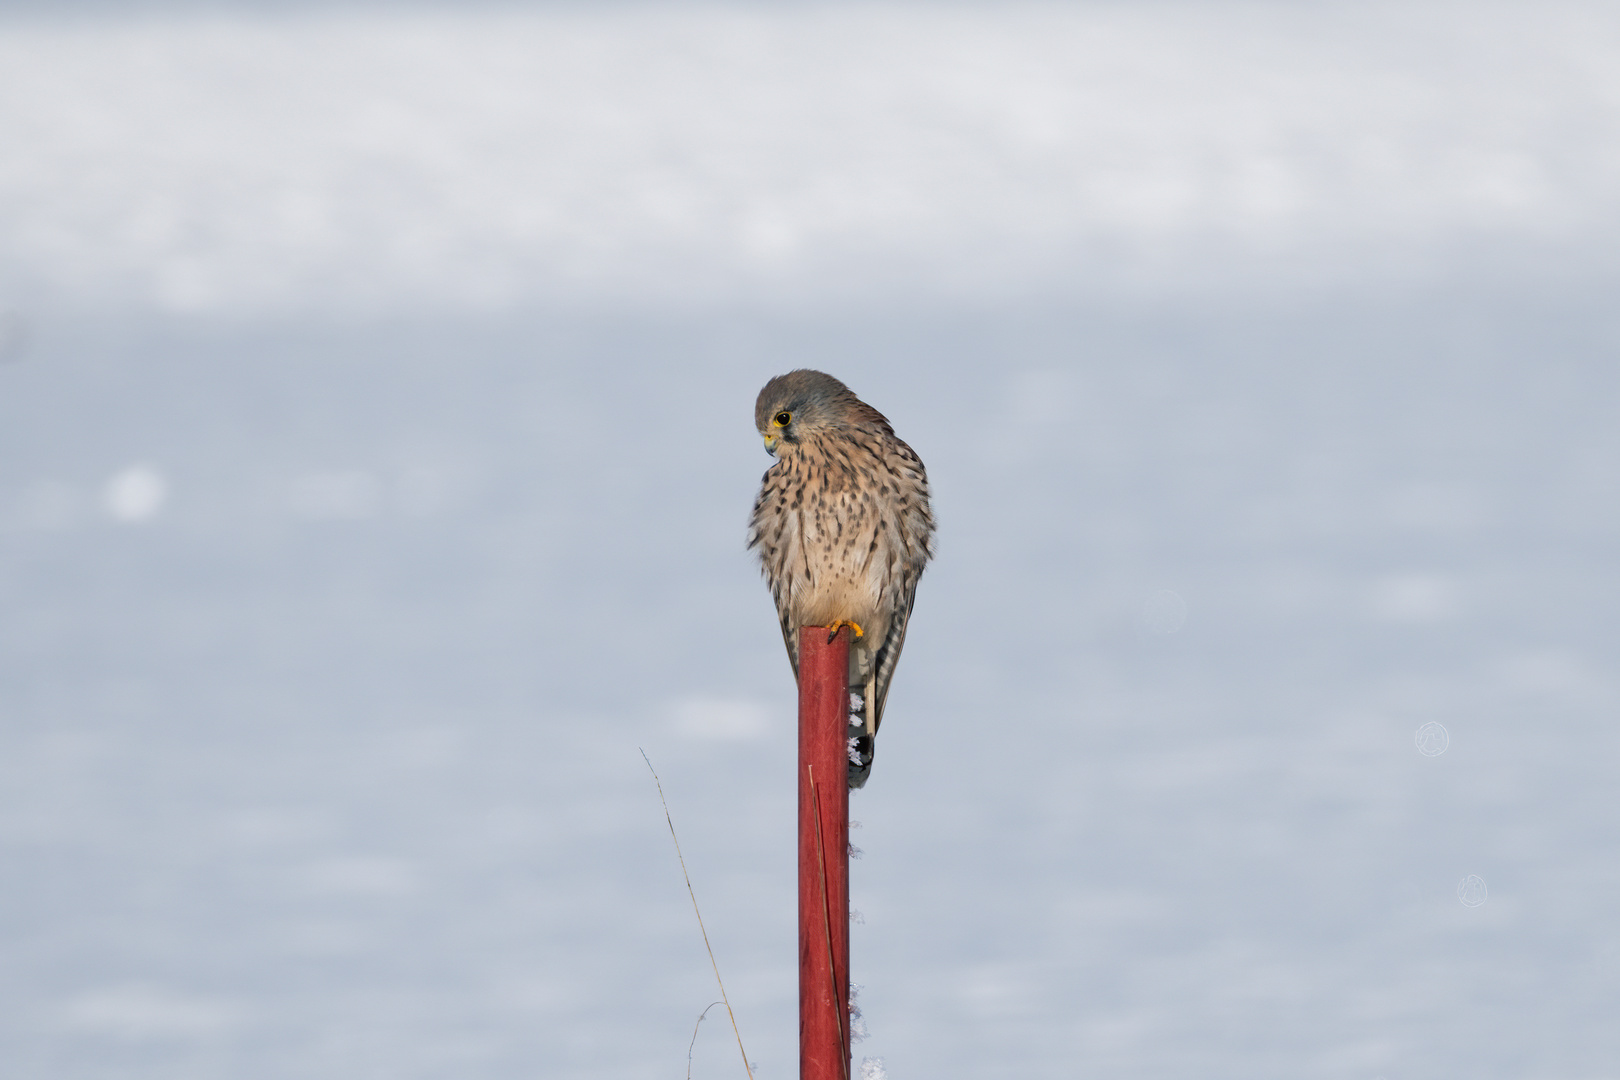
{"x": 844, "y": 529}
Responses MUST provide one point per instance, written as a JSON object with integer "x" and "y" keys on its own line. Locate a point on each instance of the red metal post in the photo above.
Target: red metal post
{"x": 824, "y": 1049}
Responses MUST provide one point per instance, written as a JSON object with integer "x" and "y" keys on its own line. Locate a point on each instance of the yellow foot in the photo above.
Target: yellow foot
{"x": 832, "y": 631}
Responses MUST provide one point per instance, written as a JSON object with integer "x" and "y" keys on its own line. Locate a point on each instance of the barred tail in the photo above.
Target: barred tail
{"x": 863, "y": 730}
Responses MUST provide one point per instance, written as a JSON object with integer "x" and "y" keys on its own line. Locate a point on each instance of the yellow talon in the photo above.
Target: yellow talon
{"x": 832, "y": 631}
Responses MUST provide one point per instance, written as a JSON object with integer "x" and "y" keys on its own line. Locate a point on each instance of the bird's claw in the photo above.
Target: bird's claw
{"x": 832, "y": 631}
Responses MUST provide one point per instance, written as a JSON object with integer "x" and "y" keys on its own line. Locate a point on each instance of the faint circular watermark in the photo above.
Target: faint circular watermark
{"x": 1432, "y": 739}
{"x": 135, "y": 494}
{"x": 1471, "y": 891}
{"x": 1165, "y": 612}
{"x": 13, "y": 336}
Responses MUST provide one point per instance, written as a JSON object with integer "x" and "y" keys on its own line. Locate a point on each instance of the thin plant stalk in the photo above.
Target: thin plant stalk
{"x": 724, "y": 1000}
{"x": 691, "y": 1045}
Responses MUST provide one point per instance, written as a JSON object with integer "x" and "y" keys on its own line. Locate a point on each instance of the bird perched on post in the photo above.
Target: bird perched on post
{"x": 844, "y": 529}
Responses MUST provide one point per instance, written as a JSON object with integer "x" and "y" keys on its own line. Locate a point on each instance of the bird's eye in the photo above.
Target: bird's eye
{"x": 783, "y": 419}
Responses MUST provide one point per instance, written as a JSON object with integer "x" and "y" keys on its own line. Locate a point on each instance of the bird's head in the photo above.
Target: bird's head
{"x": 800, "y": 405}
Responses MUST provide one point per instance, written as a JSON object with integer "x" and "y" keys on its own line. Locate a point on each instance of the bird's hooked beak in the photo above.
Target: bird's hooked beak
{"x": 770, "y": 445}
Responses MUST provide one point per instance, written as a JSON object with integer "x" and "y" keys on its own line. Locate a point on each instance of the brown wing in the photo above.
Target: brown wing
{"x": 888, "y": 653}
{"x": 775, "y": 534}
{"x": 790, "y": 634}
{"x": 913, "y": 540}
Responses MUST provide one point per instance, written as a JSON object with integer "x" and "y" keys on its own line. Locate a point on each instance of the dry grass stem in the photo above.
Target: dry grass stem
{"x": 693, "y": 1043}
{"x": 724, "y": 1000}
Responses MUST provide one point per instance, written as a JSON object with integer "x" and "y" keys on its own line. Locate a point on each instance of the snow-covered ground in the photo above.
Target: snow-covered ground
{"x": 366, "y": 505}
{"x": 477, "y": 158}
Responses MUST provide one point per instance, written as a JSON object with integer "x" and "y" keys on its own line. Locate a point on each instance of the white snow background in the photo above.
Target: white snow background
{"x": 376, "y": 442}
